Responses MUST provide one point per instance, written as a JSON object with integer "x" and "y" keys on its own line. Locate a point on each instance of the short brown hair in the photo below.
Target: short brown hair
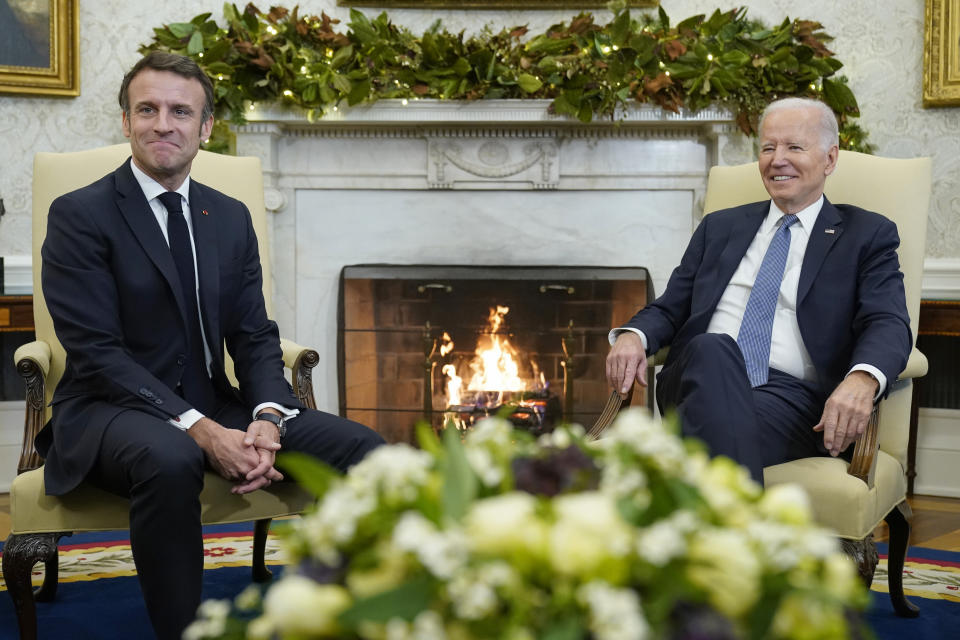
{"x": 164, "y": 61}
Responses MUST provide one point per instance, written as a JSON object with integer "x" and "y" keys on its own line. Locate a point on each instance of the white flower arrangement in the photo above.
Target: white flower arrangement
{"x": 637, "y": 535}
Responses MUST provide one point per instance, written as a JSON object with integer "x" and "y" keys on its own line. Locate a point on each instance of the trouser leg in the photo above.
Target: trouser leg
{"x": 707, "y": 384}
{"x": 160, "y": 469}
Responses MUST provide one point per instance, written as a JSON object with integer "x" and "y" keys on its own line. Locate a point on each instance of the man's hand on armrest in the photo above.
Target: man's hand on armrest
{"x": 847, "y": 411}
{"x": 626, "y": 362}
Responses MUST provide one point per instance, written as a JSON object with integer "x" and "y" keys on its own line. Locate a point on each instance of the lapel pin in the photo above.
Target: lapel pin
{"x": 825, "y": 230}
{"x": 204, "y": 212}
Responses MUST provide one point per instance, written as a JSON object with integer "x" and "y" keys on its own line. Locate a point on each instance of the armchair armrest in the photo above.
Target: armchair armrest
{"x": 917, "y": 365}
{"x": 301, "y": 361}
{"x": 864, "y": 461}
{"x": 33, "y": 365}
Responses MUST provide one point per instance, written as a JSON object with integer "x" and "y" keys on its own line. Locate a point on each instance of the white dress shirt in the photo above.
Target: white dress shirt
{"x": 787, "y": 351}
{"x": 152, "y": 189}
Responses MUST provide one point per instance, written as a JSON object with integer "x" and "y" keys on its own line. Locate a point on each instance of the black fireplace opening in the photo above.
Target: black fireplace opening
{"x": 450, "y": 344}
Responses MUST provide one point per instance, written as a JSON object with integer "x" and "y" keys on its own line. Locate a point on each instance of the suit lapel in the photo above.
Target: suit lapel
{"x": 826, "y": 231}
{"x": 741, "y": 234}
{"x": 207, "y": 251}
{"x": 141, "y": 220}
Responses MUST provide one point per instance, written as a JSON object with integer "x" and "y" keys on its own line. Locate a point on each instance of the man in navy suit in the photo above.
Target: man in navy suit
{"x": 147, "y": 275}
{"x": 840, "y": 333}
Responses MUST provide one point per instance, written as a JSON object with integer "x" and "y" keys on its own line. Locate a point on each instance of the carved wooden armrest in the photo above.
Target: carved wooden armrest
{"x": 864, "y": 462}
{"x": 301, "y": 361}
{"x": 33, "y": 364}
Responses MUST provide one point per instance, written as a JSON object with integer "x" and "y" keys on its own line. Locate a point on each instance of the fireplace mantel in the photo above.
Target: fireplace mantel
{"x": 498, "y": 182}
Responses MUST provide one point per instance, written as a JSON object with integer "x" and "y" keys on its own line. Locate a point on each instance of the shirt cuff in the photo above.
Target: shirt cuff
{"x": 876, "y": 373}
{"x": 186, "y": 419}
{"x": 612, "y": 336}
{"x": 287, "y": 413}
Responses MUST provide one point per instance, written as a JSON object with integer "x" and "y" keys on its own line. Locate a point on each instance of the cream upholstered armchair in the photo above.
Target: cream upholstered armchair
{"x": 37, "y": 520}
{"x": 854, "y": 498}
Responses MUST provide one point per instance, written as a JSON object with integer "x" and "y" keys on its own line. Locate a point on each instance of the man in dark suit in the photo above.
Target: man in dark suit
{"x": 784, "y": 318}
{"x": 147, "y": 275}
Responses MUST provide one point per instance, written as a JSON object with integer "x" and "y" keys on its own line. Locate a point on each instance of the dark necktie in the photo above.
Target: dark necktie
{"x": 757, "y": 325}
{"x": 195, "y": 385}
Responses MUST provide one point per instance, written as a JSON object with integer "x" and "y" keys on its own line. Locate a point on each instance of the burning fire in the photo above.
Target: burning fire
{"x": 495, "y": 366}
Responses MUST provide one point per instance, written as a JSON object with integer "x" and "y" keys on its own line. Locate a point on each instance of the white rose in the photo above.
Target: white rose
{"x": 298, "y": 605}
{"x": 723, "y": 564}
{"x": 589, "y": 538}
{"x": 788, "y": 503}
{"x": 506, "y": 526}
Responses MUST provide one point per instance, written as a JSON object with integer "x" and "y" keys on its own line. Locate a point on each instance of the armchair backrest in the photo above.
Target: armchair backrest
{"x": 55, "y": 174}
{"x": 897, "y": 188}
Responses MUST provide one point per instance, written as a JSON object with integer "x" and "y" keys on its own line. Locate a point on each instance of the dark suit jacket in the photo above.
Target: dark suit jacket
{"x": 850, "y": 302}
{"x": 112, "y": 289}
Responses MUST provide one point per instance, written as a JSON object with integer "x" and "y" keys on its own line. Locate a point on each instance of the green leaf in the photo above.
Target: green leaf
{"x": 529, "y": 83}
{"x": 569, "y": 628}
{"x": 195, "y": 45}
{"x": 309, "y": 472}
{"x": 838, "y": 95}
{"x": 181, "y": 29}
{"x": 459, "y": 480}
{"x": 342, "y": 56}
{"x": 341, "y": 83}
{"x": 359, "y": 92}
{"x": 404, "y": 602}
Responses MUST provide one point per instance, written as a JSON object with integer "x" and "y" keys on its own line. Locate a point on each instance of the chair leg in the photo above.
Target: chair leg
{"x": 864, "y": 555}
{"x": 898, "y": 521}
{"x": 51, "y": 575}
{"x": 20, "y": 553}
{"x": 260, "y": 530}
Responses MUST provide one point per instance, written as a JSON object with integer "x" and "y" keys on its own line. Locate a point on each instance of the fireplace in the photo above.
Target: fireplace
{"x": 414, "y": 341}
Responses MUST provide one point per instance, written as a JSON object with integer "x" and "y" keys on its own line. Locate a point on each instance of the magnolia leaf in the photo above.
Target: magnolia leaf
{"x": 341, "y": 83}
{"x": 310, "y": 473}
{"x": 181, "y": 29}
{"x": 195, "y": 45}
{"x": 529, "y": 83}
{"x": 359, "y": 92}
{"x": 342, "y": 56}
{"x": 840, "y": 98}
{"x": 460, "y": 482}
{"x": 404, "y": 602}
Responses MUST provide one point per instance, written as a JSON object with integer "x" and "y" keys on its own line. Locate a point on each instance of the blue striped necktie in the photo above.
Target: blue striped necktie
{"x": 757, "y": 325}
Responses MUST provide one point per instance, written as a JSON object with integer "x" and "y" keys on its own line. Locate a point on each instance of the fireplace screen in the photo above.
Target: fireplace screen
{"x": 451, "y": 344}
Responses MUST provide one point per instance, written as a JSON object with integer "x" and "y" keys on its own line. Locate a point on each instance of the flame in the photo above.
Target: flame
{"x": 447, "y": 345}
{"x": 454, "y": 384}
{"x": 496, "y": 365}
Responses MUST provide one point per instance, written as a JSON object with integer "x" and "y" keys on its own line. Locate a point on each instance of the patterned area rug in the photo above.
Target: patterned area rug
{"x": 932, "y": 581}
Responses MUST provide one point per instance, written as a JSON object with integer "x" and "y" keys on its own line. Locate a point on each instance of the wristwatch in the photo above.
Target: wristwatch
{"x": 279, "y": 421}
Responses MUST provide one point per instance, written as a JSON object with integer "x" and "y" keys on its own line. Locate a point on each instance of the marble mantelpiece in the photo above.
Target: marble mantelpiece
{"x": 489, "y": 182}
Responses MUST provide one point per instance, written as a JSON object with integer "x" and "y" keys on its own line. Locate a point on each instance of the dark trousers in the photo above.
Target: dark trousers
{"x": 160, "y": 469}
{"x": 706, "y": 383}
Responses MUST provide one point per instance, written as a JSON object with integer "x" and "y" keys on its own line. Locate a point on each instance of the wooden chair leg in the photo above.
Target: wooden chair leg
{"x": 864, "y": 555}
{"x": 51, "y": 575}
{"x": 260, "y": 530}
{"x": 20, "y": 553}
{"x": 898, "y": 521}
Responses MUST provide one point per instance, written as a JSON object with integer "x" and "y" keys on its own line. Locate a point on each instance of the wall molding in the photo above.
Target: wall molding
{"x": 941, "y": 279}
{"x": 17, "y": 275}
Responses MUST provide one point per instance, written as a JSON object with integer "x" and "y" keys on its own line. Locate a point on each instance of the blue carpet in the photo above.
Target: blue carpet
{"x": 112, "y": 609}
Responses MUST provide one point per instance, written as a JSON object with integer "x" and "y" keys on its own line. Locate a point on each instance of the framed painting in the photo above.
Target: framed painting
{"x": 39, "y": 47}
{"x": 491, "y": 4}
{"x": 941, "y": 54}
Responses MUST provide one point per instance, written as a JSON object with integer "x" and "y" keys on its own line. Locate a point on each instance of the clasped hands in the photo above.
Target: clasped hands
{"x": 845, "y": 414}
{"x": 246, "y": 458}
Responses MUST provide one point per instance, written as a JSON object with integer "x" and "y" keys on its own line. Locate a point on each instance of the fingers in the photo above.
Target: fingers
{"x": 250, "y": 485}
{"x": 626, "y": 362}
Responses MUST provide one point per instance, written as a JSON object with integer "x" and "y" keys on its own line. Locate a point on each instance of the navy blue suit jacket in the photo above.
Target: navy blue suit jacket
{"x": 112, "y": 288}
{"x": 850, "y": 301}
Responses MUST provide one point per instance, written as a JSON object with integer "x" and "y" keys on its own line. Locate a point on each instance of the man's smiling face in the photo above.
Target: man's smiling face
{"x": 794, "y": 164}
{"x": 165, "y": 124}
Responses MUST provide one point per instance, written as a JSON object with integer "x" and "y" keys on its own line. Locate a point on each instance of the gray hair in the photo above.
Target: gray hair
{"x": 829, "y": 131}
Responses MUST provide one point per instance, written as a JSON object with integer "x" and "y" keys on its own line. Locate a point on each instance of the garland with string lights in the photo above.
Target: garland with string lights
{"x": 588, "y": 70}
